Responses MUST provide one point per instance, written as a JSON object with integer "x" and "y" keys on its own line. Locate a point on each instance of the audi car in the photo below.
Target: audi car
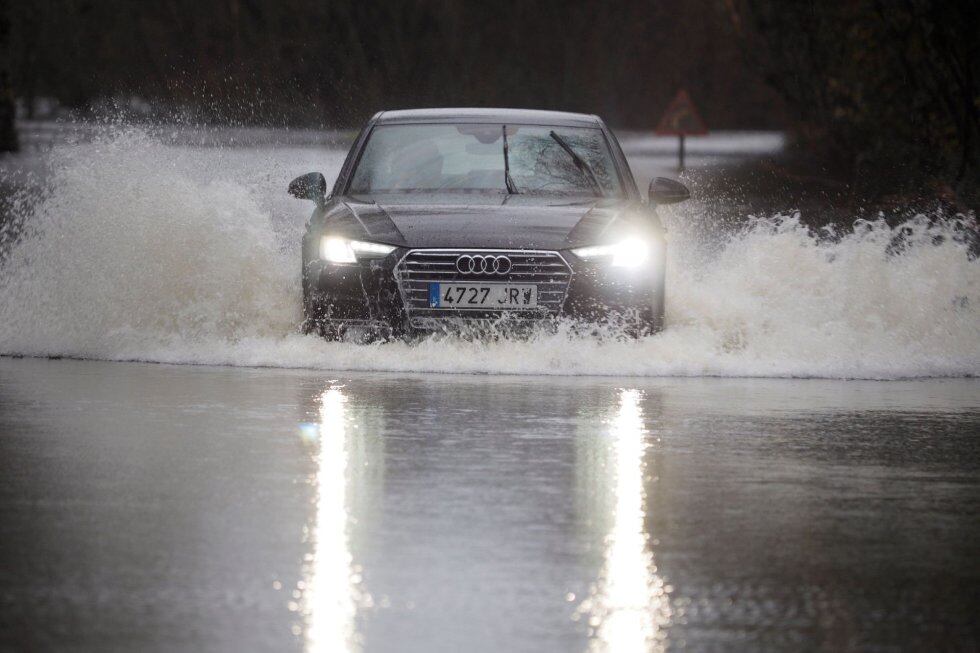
{"x": 442, "y": 219}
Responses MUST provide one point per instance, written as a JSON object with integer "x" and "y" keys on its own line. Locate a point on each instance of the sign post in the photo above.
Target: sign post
{"x": 681, "y": 118}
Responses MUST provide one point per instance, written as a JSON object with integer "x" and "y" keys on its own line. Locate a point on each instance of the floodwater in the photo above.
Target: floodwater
{"x": 158, "y": 507}
{"x": 141, "y": 247}
{"x": 793, "y": 464}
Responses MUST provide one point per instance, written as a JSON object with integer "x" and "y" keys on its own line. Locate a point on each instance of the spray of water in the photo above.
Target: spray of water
{"x": 140, "y": 250}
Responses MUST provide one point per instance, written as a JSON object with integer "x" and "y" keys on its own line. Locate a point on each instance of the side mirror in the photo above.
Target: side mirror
{"x": 311, "y": 186}
{"x": 667, "y": 191}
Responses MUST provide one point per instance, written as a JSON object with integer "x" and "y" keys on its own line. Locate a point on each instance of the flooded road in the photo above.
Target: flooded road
{"x": 159, "y": 507}
{"x": 431, "y": 498}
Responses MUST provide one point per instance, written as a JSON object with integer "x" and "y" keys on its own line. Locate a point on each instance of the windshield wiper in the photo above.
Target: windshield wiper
{"x": 581, "y": 164}
{"x": 511, "y": 187}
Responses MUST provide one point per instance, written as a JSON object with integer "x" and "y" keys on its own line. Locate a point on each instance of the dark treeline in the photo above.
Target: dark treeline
{"x": 882, "y": 91}
{"x": 335, "y": 62}
{"x": 886, "y": 91}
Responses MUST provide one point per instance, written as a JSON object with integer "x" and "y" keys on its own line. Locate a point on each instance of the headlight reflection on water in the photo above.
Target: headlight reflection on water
{"x": 331, "y": 592}
{"x": 630, "y": 609}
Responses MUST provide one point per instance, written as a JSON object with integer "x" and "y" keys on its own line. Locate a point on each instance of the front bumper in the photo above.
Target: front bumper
{"x": 391, "y": 295}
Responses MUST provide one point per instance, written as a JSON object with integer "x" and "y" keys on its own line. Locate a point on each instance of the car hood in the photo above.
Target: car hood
{"x": 484, "y": 221}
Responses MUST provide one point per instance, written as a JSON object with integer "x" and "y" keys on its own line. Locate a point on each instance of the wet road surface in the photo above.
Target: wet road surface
{"x": 155, "y": 507}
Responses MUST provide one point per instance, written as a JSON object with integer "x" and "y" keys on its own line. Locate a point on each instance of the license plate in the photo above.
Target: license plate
{"x": 483, "y": 295}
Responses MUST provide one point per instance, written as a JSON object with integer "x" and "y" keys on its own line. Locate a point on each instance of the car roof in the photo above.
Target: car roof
{"x": 511, "y": 116}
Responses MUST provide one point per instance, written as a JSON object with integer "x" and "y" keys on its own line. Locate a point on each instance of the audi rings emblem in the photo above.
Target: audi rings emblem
{"x": 479, "y": 264}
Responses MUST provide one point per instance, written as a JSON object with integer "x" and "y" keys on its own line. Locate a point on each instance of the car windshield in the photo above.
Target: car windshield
{"x": 470, "y": 157}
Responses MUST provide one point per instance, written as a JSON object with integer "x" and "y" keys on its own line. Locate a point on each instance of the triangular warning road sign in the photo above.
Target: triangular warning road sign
{"x": 681, "y": 118}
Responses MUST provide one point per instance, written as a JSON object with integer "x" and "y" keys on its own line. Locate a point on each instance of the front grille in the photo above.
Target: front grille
{"x": 420, "y": 267}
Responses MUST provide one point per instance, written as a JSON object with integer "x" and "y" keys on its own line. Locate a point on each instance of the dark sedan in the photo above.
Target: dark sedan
{"x": 449, "y": 218}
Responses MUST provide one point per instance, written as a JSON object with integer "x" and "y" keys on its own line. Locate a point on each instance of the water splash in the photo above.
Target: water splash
{"x": 139, "y": 250}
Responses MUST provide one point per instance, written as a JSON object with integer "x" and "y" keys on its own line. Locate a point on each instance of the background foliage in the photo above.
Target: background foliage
{"x": 887, "y": 90}
{"x": 882, "y": 94}
{"x": 336, "y": 62}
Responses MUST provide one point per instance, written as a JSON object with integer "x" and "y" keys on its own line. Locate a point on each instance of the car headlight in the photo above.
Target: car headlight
{"x": 344, "y": 250}
{"x": 628, "y": 253}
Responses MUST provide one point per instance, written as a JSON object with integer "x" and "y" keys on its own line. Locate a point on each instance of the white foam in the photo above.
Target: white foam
{"x": 152, "y": 252}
